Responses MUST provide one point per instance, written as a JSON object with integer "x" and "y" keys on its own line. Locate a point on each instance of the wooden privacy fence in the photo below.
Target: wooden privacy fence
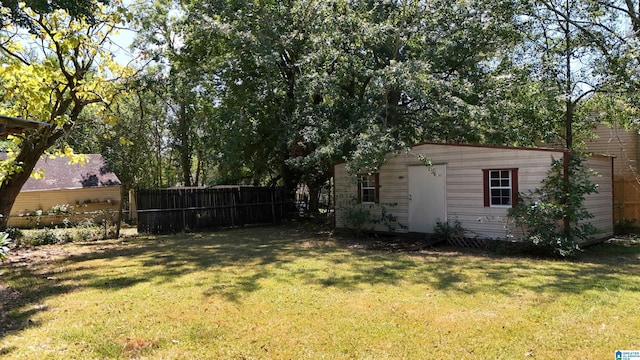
{"x": 189, "y": 209}
{"x": 626, "y": 198}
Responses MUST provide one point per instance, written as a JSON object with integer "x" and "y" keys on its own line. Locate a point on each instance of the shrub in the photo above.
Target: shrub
{"x": 60, "y": 209}
{"x": 44, "y": 236}
{"x": 361, "y": 217}
{"x": 387, "y": 218}
{"x": 4, "y": 245}
{"x": 444, "y": 231}
{"x": 543, "y": 212}
{"x": 47, "y": 236}
{"x": 357, "y": 216}
{"x": 87, "y": 230}
{"x": 14, "y": 233}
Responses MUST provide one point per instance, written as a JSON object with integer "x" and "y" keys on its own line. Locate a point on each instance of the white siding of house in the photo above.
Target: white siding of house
{"x": 464, "y": 184}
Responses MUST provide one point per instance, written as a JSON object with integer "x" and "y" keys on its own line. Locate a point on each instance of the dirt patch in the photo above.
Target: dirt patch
{"x": 626, "y": 240}
{"x": 48, "y": 253}
{"x": 7, "y": 296}
{"x": 392, "y": 245}
{"x": 28, "y": 257}
{"x": 19, "y": 259}
{"x": 388, "y": 243}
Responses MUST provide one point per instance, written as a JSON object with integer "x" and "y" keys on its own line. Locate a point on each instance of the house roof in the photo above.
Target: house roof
{"x": 10, "y": 125}
{"x": 59, "y": 174}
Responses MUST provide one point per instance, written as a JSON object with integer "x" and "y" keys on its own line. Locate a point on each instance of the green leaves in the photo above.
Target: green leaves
{"x": 277, "y": 91}
{"x": 53, "y": 73}
{"x": 4, "y": 245}
{"x": 544, "y": 213}
{"x": 318, "y": 82}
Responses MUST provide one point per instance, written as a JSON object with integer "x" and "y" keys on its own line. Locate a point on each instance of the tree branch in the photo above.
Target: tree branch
{"x": 580, "y": 27}
{"x": 14, "y": 55}
{"x": 584, "y": 94}
{"x": 58, "y": 51}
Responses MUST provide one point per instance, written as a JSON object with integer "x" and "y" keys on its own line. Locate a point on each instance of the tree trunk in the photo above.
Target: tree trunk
{"x": 185, "y": 145}
{"x": 198, "y": 169}
{"x": 32, "y": 148}
{"x": 123, "y": 192}
{"x": 568, "y": 126}
{"x": 314, "y": 198}
{"x": 9, "y": 193}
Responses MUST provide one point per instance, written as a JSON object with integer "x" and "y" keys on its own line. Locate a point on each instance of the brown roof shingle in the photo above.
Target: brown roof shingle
{"x": 59, "y": 174}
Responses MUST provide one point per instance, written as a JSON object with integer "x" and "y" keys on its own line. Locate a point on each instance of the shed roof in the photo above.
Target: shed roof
{"x": 498, "y": 147}
{"x": 59, "y": 174}
{"x": 10, "y": 125}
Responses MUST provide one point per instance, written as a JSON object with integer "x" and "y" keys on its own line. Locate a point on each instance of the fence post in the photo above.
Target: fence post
{"x": 273, "y": 205}
{"x": 133, "y": 206}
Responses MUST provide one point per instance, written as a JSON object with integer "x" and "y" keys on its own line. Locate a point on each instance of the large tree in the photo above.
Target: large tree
{"x": 13, "y": 10}
{"x": 570, "y": 46}
{"x": 301, "y": 84}
{"x": 136, "y": 147}
{"x": 620, "y": 21}
{"x": 277, "y": 91}
{"x": 52, "y": 73}
{"x": 178, "y": 81}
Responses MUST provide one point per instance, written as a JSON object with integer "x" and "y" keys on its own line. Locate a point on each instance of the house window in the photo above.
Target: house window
{"x": 368, "y": 188}
{"x": 500, "y": 187}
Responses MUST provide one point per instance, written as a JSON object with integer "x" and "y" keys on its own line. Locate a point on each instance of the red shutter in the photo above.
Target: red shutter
{"x": 485, "y": 185}
{"x": 514, "y": 187}
{"x": 377, "y": 185}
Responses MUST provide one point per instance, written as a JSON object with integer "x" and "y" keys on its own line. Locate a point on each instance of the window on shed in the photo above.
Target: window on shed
{"x": 500, "y": 187}
{"x": 368, "y": 188}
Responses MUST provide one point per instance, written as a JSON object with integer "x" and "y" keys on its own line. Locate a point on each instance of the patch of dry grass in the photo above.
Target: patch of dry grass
{"x": 285, "y": 292}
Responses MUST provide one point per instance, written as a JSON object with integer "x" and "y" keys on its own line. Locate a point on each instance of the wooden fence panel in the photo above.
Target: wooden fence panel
{"x": 626, "y": 198}
{"x": 190, "y": 209}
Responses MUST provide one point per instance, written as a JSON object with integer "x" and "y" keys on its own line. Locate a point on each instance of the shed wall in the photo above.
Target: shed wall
{"x": 464, "y": 186}
{"x": 600, "y": 205}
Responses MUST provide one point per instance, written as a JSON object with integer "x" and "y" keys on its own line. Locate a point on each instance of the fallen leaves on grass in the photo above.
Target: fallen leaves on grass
{"x": 135, "y": 345}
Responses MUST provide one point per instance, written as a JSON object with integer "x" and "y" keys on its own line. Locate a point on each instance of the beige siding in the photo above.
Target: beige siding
{"x": 621, "y": 143}
{"x": 464, "y": 184}
{"x": 86, "y": 200}
{"x": 600, "y": 205}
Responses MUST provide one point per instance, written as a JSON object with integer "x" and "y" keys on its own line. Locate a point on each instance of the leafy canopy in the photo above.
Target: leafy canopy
{"x": 52, "y": 73}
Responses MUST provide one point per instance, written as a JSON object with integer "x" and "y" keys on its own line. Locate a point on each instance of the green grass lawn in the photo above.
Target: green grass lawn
{"x": 289, "y": 293}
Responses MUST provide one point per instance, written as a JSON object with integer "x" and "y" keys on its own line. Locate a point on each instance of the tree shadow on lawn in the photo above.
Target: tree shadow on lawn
{"x": 236, "y": 262}
{"x": 156, "y": 259}
{"x": 612, "y": 265}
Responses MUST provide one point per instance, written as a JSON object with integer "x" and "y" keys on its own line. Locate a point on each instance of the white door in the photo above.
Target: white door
{"x": 427, "y": 197}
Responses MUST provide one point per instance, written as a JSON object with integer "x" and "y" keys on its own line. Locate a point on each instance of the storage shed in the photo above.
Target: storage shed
{"x": 471, "y": 184}
{"x": 68, "y": 191}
